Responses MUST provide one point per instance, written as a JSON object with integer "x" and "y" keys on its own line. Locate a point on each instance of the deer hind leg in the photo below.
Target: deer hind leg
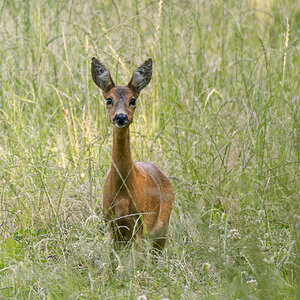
{"x": 125, "y": 232}
{"x": 158, "y": 237}
{"x": 159, "y": 244}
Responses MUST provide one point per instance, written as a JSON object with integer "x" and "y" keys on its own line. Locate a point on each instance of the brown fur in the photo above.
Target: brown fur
{"x": 137, "y": 196}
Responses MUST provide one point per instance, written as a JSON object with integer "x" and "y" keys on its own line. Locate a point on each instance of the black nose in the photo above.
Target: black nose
{"x": 120, "y": 120}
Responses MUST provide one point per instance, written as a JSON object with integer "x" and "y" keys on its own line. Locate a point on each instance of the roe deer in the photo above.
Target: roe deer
{"x": 137, "y": 196}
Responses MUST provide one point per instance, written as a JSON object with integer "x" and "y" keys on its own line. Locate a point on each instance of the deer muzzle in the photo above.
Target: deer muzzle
{"x": 120, "y": 120}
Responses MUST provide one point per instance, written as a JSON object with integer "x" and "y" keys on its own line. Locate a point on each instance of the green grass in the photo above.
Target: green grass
{"x": 221, "y": 117}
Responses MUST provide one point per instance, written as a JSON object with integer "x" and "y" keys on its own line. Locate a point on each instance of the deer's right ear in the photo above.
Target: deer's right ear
{"x": 101, "y": 75}
{"x": 141, "y": 76}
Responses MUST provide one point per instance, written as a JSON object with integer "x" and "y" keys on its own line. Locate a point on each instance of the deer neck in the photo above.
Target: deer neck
{"x": 122, "y": 162}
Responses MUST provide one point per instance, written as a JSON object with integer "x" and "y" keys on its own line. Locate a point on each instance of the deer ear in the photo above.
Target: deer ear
{"x": 101, "y": 75}
{"x": 141, "y": 76}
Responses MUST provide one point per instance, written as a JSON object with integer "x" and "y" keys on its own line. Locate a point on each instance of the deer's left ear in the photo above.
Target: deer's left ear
{"x": 141, "y": 76}
{"x": 101, "y": 75}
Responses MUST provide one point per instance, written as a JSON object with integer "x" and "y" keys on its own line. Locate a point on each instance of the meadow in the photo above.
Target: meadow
{"x": 220, "y": 118}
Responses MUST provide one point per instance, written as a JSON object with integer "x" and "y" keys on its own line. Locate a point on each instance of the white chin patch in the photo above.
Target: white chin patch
{"x": 120, "y": 126}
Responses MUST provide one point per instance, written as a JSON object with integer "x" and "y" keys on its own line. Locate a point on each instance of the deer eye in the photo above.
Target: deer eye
{"x": 109, "y": 101}
{"x": 132, "y": 102}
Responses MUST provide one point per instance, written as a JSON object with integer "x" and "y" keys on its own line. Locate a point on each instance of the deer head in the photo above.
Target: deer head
{"x": 121, "y": 100}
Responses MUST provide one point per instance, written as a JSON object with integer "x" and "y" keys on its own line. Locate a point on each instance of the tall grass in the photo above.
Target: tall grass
{"x": 220, "y": 117}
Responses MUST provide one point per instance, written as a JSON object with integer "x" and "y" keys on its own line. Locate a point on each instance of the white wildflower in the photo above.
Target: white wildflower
{"x": 252, "y": 282}
{"x": 233, "y": 234}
